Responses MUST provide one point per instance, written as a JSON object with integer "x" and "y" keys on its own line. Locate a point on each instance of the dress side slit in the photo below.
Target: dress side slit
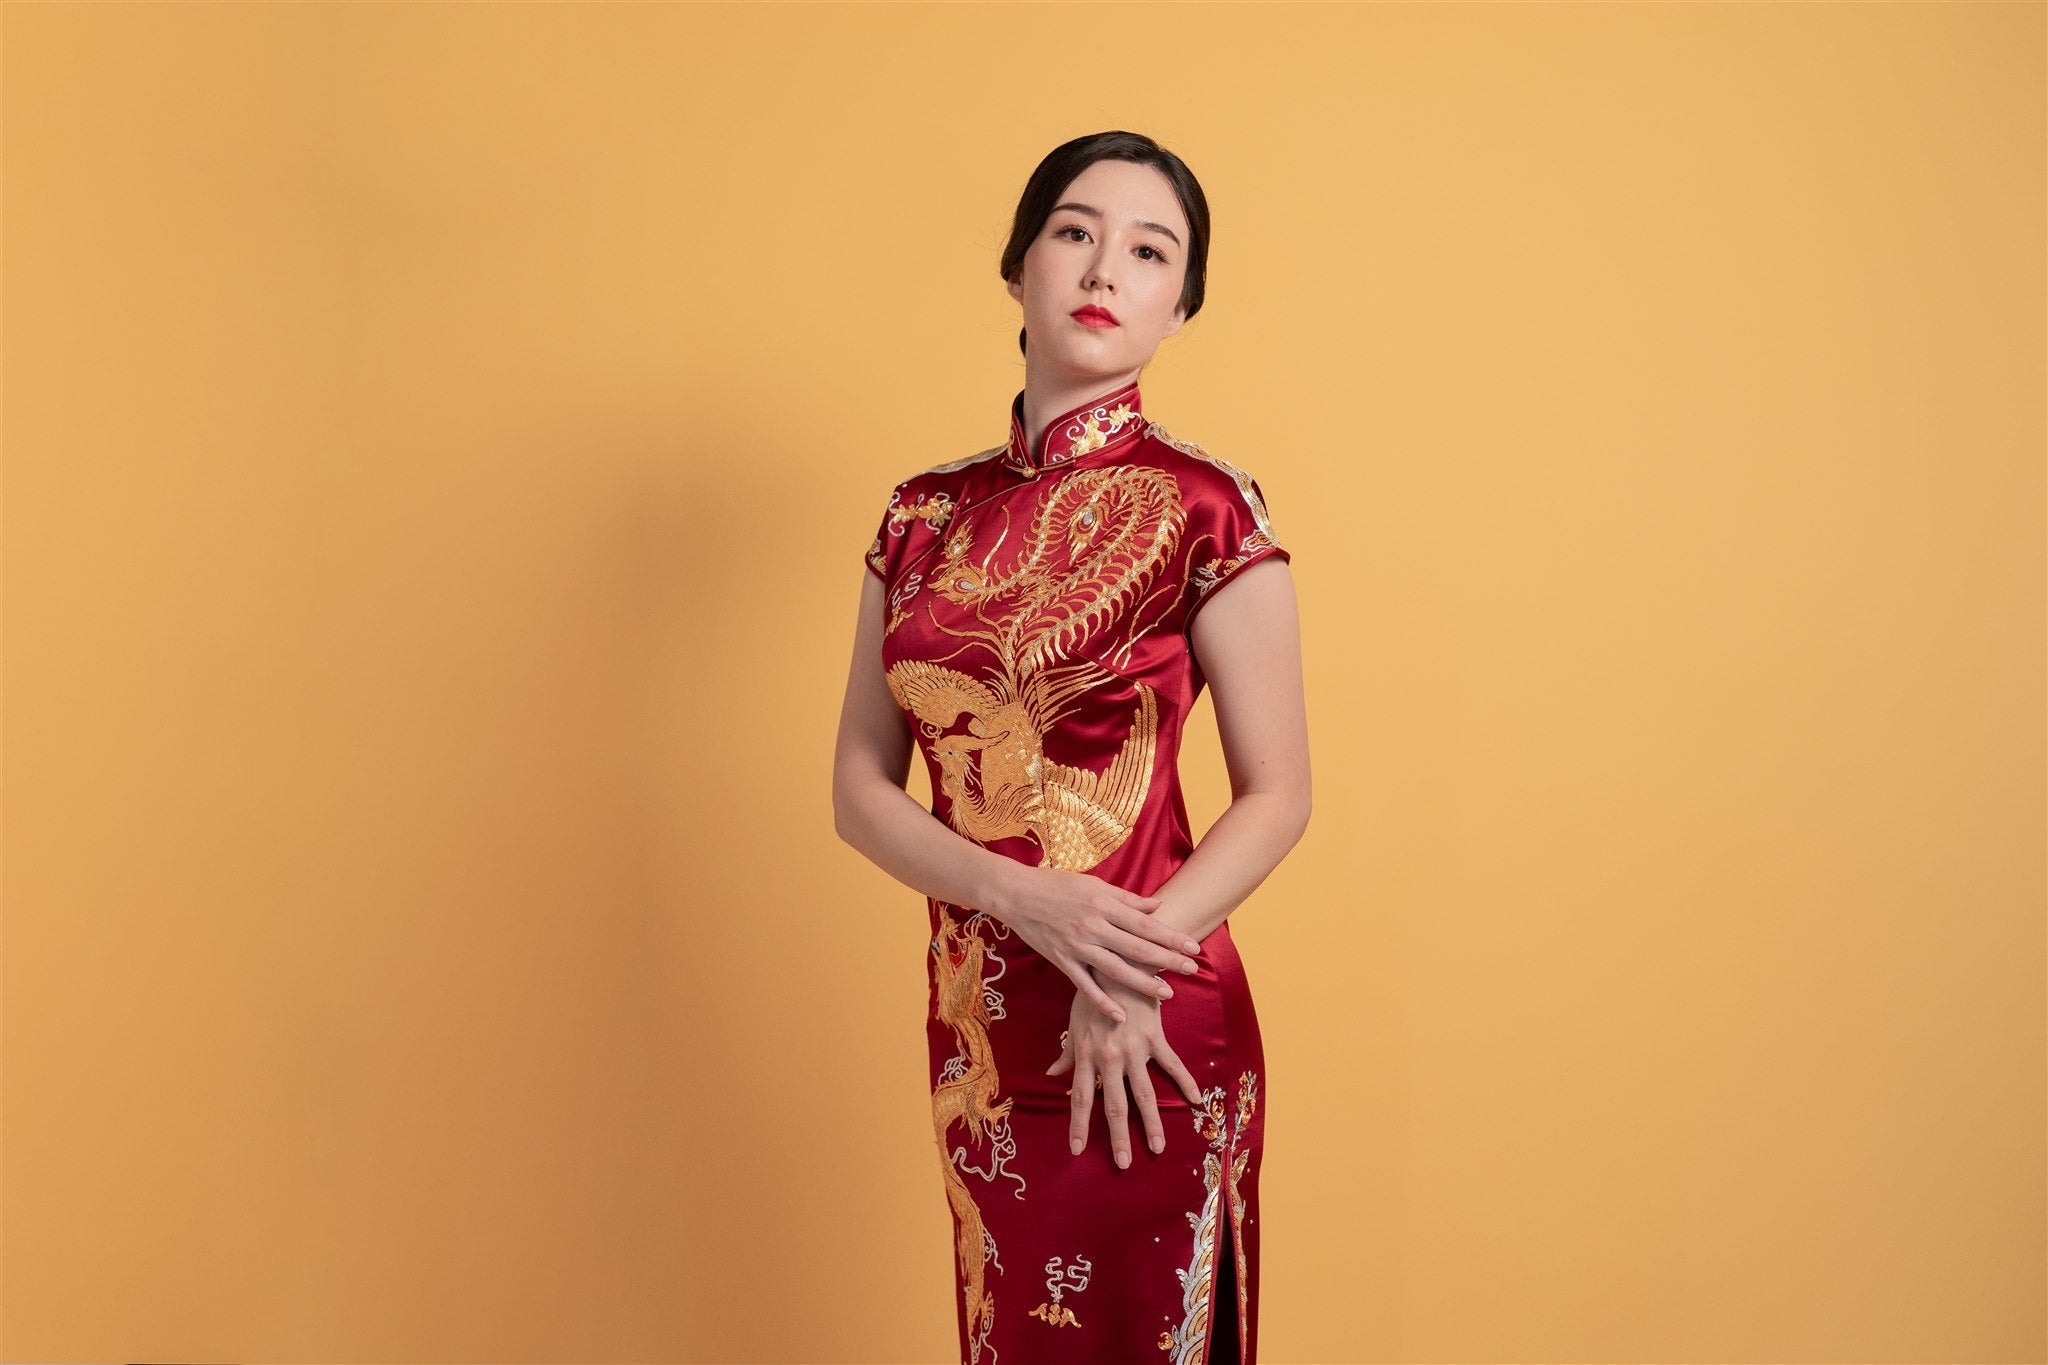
{"x": 1223, "y": 1341}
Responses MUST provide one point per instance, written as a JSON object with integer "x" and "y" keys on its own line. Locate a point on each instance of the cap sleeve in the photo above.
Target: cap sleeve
{"x": 882, "y": 555}
{"x": 1229, "y": 530}
{"x": 918, "y": 512}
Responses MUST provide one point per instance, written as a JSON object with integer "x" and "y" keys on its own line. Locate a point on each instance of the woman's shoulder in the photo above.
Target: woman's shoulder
{"x": 1227, "y": 524}
{"x": 921, "y": 506}
{"x": 1202, "y": 474}
{"x": 949, "y": 471}
{"x": 964, "y": 462}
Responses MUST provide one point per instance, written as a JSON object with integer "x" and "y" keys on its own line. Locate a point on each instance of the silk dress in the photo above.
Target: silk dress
{"x": 1037, "y": 638}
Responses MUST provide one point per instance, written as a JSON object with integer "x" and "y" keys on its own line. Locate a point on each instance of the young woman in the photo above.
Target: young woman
{"x": 1039, "y": 618}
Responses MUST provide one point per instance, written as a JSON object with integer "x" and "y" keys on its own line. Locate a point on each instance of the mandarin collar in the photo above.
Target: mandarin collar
{"x": 1109, "y": 420}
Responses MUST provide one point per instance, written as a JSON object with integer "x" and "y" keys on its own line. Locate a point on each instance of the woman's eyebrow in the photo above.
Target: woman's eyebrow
{"x": 1096, "y": 213}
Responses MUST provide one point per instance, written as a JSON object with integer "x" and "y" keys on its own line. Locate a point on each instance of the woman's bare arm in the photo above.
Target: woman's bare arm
{"x": 1091, "y": 930}
{"x": 1248, "y": 642}
{"x": 870, "y": 807}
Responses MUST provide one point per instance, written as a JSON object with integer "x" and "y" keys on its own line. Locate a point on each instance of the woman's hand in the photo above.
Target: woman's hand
{"x": 1077, "y": 921}
{"x": 1118, "y": 1054}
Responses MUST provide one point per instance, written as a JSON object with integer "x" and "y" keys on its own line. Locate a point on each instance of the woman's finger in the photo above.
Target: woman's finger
{"x": 1154, "y": 943}
{"x": 1064, "y": 1062}
{"x": 1148, "y": 1109}
{"x": 1082, "y": 1104}
{"x": 1089, "y": 987}
{"x": 1116, "y": 967}
{"x": 1114, "y": 1111}
{"x": 1170, "y": 1062}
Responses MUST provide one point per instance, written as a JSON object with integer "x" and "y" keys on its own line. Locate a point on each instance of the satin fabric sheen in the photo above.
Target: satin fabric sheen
{"x": 1040, "y": 602}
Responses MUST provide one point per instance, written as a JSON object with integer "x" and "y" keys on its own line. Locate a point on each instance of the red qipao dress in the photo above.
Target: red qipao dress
{"x": 1039, "y": 605}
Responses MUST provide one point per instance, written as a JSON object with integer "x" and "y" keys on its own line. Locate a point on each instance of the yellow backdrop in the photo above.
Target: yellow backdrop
{"x": 440, "y": 446}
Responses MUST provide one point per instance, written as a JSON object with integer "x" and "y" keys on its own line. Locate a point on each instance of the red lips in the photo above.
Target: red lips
{"x": 1093, "y": 316}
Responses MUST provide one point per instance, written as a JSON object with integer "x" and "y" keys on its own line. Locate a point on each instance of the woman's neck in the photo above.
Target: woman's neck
{"x": 1048, "y": 398}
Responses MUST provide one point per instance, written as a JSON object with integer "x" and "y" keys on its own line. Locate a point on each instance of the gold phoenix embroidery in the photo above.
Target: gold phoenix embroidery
{"x": 1198, "y": 1281}
{"x": 1093, "y": 545}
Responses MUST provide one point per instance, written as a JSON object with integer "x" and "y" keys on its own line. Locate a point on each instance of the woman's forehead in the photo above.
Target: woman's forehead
{"x": 1125, "y": 192}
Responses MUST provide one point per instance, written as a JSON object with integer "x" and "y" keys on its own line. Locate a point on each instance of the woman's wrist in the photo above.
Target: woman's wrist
{"x": 998, "y": 893}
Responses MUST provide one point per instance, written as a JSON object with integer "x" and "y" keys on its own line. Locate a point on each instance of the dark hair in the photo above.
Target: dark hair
{"x": 1064, "y": 163}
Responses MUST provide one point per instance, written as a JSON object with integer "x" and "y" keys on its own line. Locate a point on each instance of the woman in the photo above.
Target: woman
{"x": 1039, "y": 618}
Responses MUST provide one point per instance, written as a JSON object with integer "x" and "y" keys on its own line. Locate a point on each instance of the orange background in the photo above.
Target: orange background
{"x": 440, "y": 446}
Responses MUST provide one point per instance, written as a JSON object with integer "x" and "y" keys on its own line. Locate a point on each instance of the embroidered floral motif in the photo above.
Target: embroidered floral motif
{"x": 1198, "y": 1281}
{"x": 1093, "y": 431}
{"x": 1079, "y": 432}
{"x": 1209, "y": 576}
{"x": 1247, "y": 1102}
{"x": 935, "y": 509}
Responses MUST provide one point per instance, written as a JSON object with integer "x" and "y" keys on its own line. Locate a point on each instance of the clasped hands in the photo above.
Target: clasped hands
{"x": 1105, "y": 940}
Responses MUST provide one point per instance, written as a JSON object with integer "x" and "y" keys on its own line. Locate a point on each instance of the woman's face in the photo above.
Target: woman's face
{"x": 1117, "y": 240}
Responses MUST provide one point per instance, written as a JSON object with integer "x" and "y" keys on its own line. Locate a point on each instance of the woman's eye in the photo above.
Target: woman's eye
{"x": 1143, "y": 246}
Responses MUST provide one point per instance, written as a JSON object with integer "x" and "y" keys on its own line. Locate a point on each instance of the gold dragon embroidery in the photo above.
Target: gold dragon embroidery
{"x": 969, "y": 1098}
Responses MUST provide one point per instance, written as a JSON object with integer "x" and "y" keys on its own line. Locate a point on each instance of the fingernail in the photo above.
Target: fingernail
{"x": 1158, "y": 1144}
{"x": 1123, "y": 1159}
{"x": 1120, "y": 1016}
{"x": 1165, "y": 991}
{"x": 1188, "y": 945}
{"x": 1074, "y": 1146}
